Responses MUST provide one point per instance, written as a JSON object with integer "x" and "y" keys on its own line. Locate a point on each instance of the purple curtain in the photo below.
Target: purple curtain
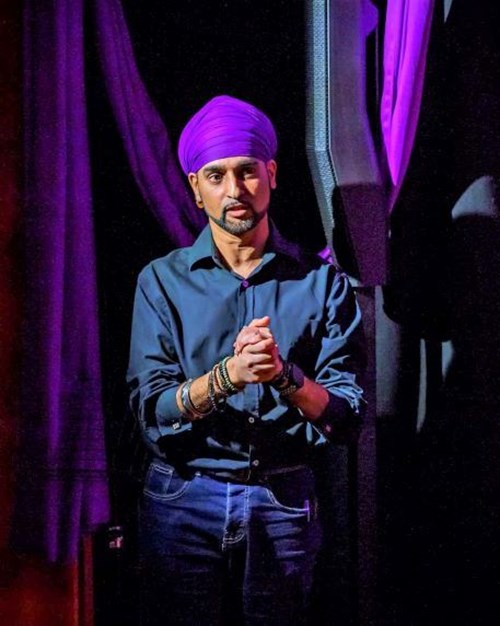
{"x": 144, "y": 135}
{"x": 62, "y": 488}
{"x": 62, "y": 481}
{"x": 407, "y": 31}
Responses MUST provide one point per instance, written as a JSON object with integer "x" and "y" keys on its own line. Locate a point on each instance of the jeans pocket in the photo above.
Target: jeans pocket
{"x": 304, "y": 509}
{"x": 164, "y": 483}
{"x": 294, "y": 493}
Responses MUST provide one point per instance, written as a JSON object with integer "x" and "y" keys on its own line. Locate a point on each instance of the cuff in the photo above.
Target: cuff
{"x": 340, "y": 422}
{"x": 170, "y": 420}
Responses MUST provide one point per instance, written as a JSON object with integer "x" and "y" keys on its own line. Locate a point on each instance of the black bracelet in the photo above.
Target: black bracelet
{"x": 217, "y": 404}
{"x": 281, "y": 380}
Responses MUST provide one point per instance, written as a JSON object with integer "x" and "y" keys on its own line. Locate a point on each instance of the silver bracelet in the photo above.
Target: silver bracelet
{"x": 182, "y": 388}
{"x": 187, "y": 403}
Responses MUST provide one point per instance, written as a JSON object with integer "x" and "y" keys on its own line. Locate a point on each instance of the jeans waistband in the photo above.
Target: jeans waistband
{"x": 252, "y": 476}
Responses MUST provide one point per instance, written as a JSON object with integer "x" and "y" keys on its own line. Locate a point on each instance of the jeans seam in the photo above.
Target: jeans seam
{"x": 246, "y": 508}
{"x": 226, "y": 518}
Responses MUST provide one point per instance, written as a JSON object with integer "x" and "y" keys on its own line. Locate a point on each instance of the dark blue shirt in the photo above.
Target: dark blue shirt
{"x": 188, "y": 310}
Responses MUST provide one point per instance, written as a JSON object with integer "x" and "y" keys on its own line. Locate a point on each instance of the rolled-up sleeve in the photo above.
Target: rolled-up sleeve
{"x": 341, "y": 359}
{"x": 154, "y": 372}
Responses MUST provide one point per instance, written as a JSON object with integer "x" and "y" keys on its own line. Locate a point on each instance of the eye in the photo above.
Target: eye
{"x": 248, "y": 172}
{"x": 215, "y": 178}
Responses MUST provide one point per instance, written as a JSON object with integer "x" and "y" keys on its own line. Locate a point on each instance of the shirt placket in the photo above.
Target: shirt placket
{"x": 246, "y": 314}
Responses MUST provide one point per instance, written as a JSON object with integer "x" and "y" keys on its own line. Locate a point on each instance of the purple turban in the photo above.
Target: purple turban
{"x": 226, "y": 127}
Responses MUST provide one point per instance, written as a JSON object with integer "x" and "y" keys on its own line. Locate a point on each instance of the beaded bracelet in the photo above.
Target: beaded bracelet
{"x": 218, "y": 383}
{"x": 227, "y": 385}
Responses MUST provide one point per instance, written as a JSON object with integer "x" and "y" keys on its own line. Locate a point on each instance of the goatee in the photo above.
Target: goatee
{"x": 240, "y": 226}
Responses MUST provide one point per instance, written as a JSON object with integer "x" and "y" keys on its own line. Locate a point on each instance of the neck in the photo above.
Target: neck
{"x": 241, "y": 253}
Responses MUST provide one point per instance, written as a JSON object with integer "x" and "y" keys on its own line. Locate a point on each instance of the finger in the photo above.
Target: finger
{"x": 263, "y": 368}
{"x": 260, "y": 321}
{"x": 245, "y": 340}
{"x": 252, "y": 338}
{"x": 254, "y": 333}
{"x": 275, "y": 351}
{"x": 263, "y": 331}
{"x": 258, "y": 358}
{"x": 265, "y": 345}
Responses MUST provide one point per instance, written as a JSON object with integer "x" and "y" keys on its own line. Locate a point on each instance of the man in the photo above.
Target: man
{"x": 243, "y": 363}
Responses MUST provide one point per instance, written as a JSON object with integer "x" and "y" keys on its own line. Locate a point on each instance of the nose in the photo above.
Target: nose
{"x": 234, "y": 188}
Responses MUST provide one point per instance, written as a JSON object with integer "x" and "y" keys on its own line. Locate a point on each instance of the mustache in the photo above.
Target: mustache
{"x": 233, "y": 205}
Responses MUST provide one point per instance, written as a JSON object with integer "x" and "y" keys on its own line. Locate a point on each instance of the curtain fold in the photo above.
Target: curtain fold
{"x": 62, "y": 488}
{"x": 406, "y": 40}
{"x": 145, "y": 138}
{"x": 62, "y": 482}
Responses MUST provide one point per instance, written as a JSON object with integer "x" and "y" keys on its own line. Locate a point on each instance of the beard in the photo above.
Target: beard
{"x": 238, "y": 226}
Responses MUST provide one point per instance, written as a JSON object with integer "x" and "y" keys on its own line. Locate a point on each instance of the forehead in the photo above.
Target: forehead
{"x": 231, "y": 163}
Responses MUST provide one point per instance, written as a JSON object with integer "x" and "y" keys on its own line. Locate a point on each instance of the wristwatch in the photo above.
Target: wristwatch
{"x": 289, "y": 380}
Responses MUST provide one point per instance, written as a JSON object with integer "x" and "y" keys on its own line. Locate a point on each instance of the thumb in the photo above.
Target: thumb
{"x": 259, "y": 322}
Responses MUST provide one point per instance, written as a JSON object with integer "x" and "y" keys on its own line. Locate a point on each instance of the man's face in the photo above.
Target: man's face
{"x": 234, "y": 192}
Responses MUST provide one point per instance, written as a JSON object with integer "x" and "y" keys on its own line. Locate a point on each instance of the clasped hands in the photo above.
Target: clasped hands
{"x": 256, "y": 355}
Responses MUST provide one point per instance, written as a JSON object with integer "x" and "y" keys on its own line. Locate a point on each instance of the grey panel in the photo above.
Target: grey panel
{"x": 339, "y": 141}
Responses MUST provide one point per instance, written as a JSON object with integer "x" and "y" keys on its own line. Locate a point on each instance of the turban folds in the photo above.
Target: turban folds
{"x": 226, "y": 127}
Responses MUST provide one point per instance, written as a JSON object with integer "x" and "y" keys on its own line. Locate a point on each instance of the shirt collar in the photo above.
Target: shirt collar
{"x": 203, "y": 249}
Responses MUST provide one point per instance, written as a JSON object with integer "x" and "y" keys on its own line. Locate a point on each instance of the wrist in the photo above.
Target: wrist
{"x": 280, "y": 377}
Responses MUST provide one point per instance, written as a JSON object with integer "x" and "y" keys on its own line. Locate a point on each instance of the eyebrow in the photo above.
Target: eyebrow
{"x": 209, "y": 169}
{"x": 248, "y": 163}
{"x": 212, "y": 168}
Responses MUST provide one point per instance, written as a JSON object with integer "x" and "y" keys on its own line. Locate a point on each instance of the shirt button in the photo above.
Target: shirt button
{"x": 251, "y": 420}
{"x": 244, "y": 284}
{"x": 256, "y": 463}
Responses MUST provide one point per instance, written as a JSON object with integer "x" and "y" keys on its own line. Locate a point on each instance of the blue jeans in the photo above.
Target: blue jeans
{"x": 215, "y": 552}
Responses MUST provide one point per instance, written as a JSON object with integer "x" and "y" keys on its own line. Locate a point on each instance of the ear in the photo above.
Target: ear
{"x": 193, "y": 181}
{"x": 272, "y": 168}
